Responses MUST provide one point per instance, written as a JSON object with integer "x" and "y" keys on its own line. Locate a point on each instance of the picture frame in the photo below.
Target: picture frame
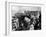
{"x": 8, "y": 9}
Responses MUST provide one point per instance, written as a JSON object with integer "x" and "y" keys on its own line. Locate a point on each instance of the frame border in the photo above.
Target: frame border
{"x": 8, "y": 11}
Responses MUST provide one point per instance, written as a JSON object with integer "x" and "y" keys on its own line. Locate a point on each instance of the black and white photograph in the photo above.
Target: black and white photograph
{"x": 26, "y": 18}
{"x": 22, "y": 18}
